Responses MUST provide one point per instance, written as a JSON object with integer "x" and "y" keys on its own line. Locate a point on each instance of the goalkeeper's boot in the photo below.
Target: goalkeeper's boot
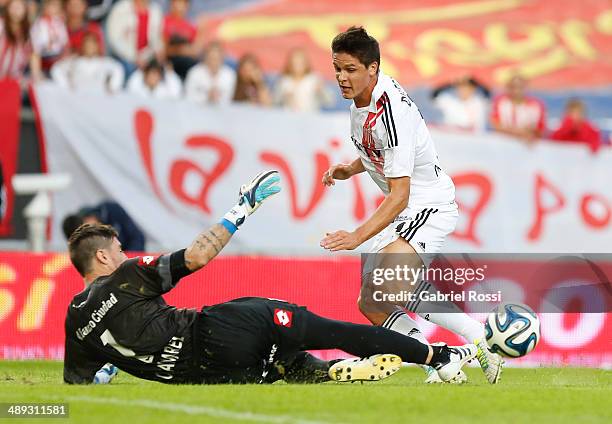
{"x": 306, "y": 368}
{"x": 372, "y": 368}
{"x": 491, "y": 363}
{"x": 452, "y": 359}
{"x": 434, "y": 378}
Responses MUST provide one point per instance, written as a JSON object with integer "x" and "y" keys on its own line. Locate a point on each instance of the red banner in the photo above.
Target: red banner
{"x": 35, "y": 291}
{"x": 10, "y": 105}
{"x": 559, "y": 45}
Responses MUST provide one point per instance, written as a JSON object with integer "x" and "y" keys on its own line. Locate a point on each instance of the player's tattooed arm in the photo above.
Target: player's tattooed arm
{"x": 210, "y": 242}
{"x": 206, "y": 246}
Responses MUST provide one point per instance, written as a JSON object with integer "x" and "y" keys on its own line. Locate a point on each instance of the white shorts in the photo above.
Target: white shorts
{"x": 424, "y": 228}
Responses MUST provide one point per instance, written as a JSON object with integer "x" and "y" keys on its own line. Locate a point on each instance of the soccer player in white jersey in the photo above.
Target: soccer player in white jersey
{"x": 419, "y": 209}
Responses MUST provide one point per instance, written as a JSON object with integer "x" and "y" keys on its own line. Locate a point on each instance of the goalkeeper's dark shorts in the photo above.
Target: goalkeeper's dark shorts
{"x": 247, "y": 340}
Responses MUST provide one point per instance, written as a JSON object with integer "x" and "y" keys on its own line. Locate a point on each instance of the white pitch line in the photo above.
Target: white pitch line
{"x": 193, "y": 409}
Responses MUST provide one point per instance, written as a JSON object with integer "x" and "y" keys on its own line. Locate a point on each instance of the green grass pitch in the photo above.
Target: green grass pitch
{"x": 542, "y": 395}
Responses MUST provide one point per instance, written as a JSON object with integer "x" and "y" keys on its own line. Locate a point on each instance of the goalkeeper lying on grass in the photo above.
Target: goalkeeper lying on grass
{"x": 122, "y": 319}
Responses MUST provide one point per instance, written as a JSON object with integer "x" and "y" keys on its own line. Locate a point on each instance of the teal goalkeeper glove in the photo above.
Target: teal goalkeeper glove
{"x": 251, "y": 196}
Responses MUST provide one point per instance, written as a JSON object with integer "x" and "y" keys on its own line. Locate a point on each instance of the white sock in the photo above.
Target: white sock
{"x": 457, "y": 322}
{"x": 401, "y": 322}
{"x": 446, "y": 314}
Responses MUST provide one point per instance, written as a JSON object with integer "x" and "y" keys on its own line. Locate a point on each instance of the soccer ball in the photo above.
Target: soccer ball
{"x": 512, "y": 330}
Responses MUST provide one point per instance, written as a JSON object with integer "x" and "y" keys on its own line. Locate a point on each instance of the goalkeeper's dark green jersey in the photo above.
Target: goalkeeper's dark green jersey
{"x": 122, "y": 319}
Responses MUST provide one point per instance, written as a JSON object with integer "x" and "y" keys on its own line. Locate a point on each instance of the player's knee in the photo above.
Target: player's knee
{"x": 366, "y": 308}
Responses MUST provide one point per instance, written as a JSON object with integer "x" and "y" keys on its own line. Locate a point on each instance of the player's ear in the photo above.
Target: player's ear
{"x": 373, "y": 69}
{"x": 102, "y": 256}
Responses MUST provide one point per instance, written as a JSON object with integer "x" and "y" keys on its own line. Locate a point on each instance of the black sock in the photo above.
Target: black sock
{"x": 440, "y": 355}
{"x": 361, "y": 340}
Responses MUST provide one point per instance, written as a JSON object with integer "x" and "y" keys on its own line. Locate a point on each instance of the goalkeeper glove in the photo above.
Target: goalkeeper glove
{"x": 105, "y": 374}
{"x": 251, "y": 196}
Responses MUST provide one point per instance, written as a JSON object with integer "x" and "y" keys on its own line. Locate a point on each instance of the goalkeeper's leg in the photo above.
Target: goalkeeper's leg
{"x": 366, "y": 341}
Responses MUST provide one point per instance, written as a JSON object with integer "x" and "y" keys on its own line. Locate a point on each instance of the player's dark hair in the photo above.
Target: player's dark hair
{"x": 358, "y": 43}
{"x": 85, "y": 241}
{"x": 71, "y": 223}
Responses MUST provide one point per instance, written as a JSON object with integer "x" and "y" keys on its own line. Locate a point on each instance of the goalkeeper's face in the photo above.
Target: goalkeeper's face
{"x": 114, "y": 254}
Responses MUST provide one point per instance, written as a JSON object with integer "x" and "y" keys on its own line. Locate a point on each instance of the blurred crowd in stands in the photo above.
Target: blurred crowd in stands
{"x": 132, "y": 45}
{"x": 464, "y": 105}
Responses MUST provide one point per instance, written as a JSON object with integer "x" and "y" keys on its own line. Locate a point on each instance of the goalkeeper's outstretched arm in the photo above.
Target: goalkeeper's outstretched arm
{"x": 206, "y": 246}
{"x": 210, "y": 242}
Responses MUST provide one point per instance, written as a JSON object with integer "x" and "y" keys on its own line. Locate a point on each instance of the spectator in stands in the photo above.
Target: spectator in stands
{"x": 78, "y": 25}
{"x": 299, "y": 88}
{"x": 514, "y": 113}
{"x": 155, "y": 81}
{"x": 576, "y": 128}
{"x": 89, "y": 70}
{"x": 33, "y": 9}
{"x": 3, "y": 4}
{"x": 251, "y": 85}
{"x": 134, "y": 29}
{"x": 16, "y": 51}
{"x": 463, "y": 104}
{"x": 183, "y": 42}
{"x": 49, "y": 34}
{"x": 211, "y": 81}
{"x": 110, "y": 213}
